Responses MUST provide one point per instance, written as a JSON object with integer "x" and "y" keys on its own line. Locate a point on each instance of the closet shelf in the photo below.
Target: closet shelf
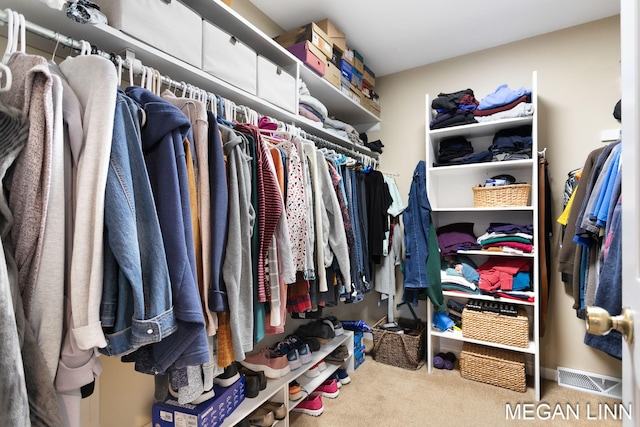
{"x": 467, "y": 295}
{"x": 479, "y": 129}
{"x": 482, "y": 166}
{"x": 278, "y": 389}
{"x": 456, "y": 335}
{"x": 495, "y": 253}
{"x": 108, "y": 39}
{"x": 489, "y": 209}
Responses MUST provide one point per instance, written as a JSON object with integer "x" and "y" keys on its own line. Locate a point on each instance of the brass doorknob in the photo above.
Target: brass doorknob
{"x": 600, "y": 322}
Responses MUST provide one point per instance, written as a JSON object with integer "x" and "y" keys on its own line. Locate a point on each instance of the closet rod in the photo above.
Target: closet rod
{"x": 138, "y": 68}
{"x": 337, "y": 147}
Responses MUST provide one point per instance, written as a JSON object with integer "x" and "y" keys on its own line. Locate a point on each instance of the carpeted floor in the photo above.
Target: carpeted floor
{"x": 384, "y": 395}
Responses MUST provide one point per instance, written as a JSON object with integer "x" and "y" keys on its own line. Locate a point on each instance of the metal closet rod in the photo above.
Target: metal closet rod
{"x": 138, "y": 68}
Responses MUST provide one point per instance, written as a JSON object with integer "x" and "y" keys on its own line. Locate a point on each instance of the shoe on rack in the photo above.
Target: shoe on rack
{"x": 334, "y": 376}
{"x": 273, "y": 365}
{"x": 279, "y": 409}
{"x": 343, "y": 376}
{"x": 338, "y": 356}
{"x": 329, "y": 389}
{"x": 311, "y": 405}
{"x": 295, "y": 391}
{"x": 313, "y": 371}
{"x": 294, "y": 359}
{"x": 335, "y": 324}
{"x": 317, "y": 329}
{"x": 313, "y": 343}
{"x": 262, "y": 379}
{"x": 442, "y": 321}
{"x": 251, "y": 386}
{"x": 262, "y": 417}
{"x": 303, "y": 348}
{"x": 228, "y": 377}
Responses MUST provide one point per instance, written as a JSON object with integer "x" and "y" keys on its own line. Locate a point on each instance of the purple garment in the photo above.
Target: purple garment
{"x": 497, "y": 227}
{"x": 454, "y": 236}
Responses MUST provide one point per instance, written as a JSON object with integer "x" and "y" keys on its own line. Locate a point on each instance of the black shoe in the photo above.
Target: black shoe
{"x": 335, "y": 324}
{"x": 262, "y": 379}
{"x": 228, "y": 377}
{"x": 251, "y": 386}
{"x": 317, "y": 329}
{"x": 313, "y": 343}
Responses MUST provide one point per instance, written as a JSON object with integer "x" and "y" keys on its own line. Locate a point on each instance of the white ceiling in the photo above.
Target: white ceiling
{"x": 398, "y": 35}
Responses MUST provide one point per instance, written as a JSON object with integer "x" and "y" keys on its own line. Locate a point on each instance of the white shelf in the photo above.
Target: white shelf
{"x": 278, "y": 389}
{"x": 456, "y": 335}
{"x": 455, "y": 294}
{"x": 109, "y": 39}
{"x": 450, "y": 193}
{"x": 495, "y": 253}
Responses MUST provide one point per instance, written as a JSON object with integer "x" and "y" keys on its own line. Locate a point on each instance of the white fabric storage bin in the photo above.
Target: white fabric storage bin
{"x": 227, "y": 58}
{"x": 168, "y": 26}
{"x": 276, "y": 85}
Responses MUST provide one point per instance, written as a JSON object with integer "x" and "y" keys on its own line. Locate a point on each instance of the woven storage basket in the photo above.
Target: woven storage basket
{"x": 401, "y": 350}
{"x": 502, "y": 368}
{"x": 497, "y": 328}
{"x": 504, "y": 195}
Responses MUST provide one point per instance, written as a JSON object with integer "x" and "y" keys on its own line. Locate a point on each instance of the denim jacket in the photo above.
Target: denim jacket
{"x": 136, "y": 306}
{"x": 162, "y": 144}
{"x": 416, "y": 219}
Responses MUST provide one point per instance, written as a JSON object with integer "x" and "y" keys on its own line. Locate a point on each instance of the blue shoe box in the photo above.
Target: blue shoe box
{"x": 170, "y": 413}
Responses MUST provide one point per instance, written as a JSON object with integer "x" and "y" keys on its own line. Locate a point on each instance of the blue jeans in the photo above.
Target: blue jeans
{"x": 416, "y": 219}
{"x": 136, "y": 306}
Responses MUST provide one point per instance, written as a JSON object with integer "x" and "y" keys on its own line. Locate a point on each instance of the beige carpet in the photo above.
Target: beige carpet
{"x": 384, "y": 395}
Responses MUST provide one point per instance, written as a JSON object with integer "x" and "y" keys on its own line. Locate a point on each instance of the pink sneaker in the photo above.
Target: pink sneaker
{"x": 311, "y": 405}
{"x": 329, "y": 389}
{"x": 267, "y": 360}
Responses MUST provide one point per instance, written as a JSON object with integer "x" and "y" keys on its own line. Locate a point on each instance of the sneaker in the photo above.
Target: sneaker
{"x": 294, "y": 359}
{"x": 288, "y": 348}
{"x": 317, "y": 329}
{"x": 295, "y": 391}
{"x": 334, "y": 376}
{"x": 343, "y": 376}
{"x": 338, "y": 356}
{"x": 329, "y": 389}
{"x": 335, "y": 324}
{"x": 203, "y": 397}
{"x": 321, "y": 365}
{"x": 442, "y": 321}
{"x": 279, "y": 409}
{"x": 273, "y": 365}
{"x": 313, "y": 371}
{"x": 311, "y": 405}
{"x": 262, "y": 417}
{"x": 251, "y": 386}
{"x": 262, "y": 379}
{"x": 228, "y": 377}
{"x": 303, "y": 348}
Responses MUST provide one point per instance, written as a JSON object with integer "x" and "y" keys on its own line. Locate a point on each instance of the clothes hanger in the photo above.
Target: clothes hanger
{"x": 119, "y": 65}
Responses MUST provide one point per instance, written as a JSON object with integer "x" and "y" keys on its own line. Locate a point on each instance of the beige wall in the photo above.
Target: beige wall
{"x": 578, "y": 86}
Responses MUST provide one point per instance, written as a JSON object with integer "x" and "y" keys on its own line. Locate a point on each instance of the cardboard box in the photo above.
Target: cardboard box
{"x": 336, "y": 36}
{"x": 303, "y": 52}
{"x": 356, "y": 95}
{"x": 369, "y": 76}
{"x": 227, "y": 58}
{"x": 310, "y": 32}
{"x": 332, "y": 74}
{"x": 157, "y": 23}
{"x": 210, "y": 413}
{"x": 276, "y": 85}
{"x": 347, "y": 55}
{"x": 358, "y": 61}
{"x": 370, "y": 105}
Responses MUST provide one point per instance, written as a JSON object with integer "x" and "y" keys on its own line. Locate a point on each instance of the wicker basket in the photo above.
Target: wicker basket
{"x": 497, "y": 328}
{"x": 402, "y": 350}
{"x": 502, "y": 368}
{"x": 504, "y": 195}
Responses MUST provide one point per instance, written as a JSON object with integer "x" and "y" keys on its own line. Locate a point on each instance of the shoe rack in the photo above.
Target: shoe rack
{"x": 277, "y": 390}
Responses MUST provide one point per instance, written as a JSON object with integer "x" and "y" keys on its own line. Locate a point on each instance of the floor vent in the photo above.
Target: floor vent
{"x": 589, "y": 382}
